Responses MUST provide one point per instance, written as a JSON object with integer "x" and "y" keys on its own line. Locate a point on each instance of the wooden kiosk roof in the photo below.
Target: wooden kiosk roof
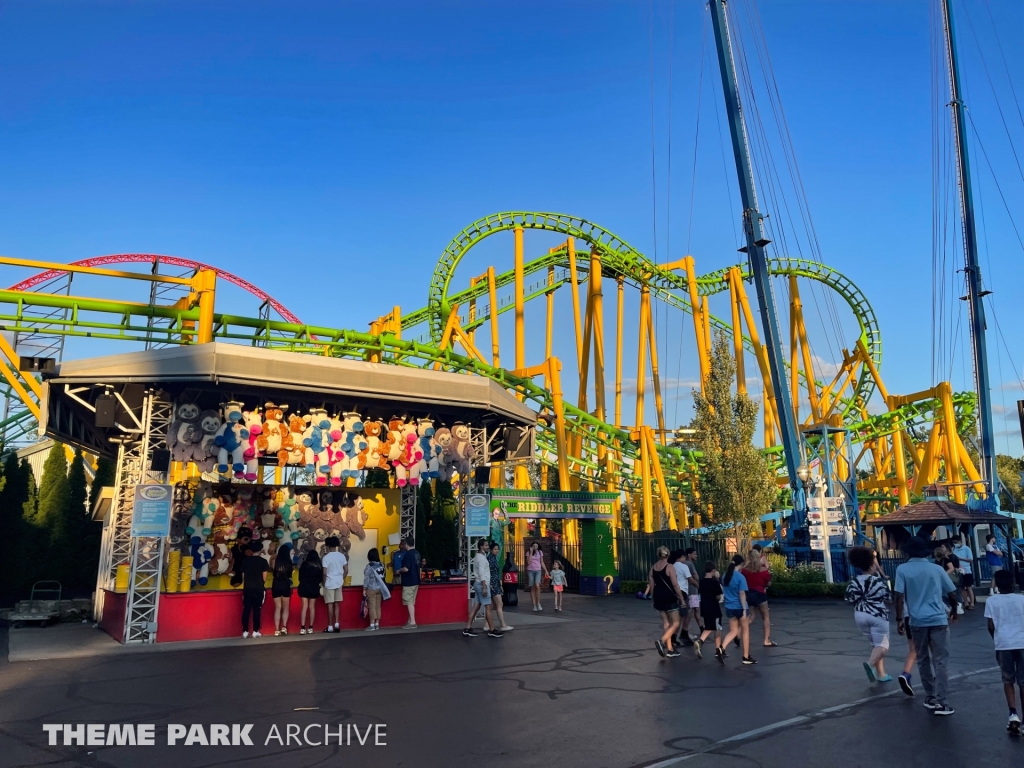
{"x": 939, "y": 512}
{"x": 216, "y": 372}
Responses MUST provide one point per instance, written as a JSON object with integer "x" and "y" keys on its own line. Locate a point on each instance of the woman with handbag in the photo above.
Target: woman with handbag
{"x": 375, "y": 589}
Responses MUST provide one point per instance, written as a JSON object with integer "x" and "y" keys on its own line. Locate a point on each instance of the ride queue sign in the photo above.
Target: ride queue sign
{"x": 554, "y": 505}
{"x": 151, "y": 513}
{"x": 478, "y": 515}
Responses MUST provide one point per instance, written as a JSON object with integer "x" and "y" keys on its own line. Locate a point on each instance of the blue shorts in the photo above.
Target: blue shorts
{"x": 734, "y": 613}
{"x": 534, "y": 578}
{"x": 478, "y": 593}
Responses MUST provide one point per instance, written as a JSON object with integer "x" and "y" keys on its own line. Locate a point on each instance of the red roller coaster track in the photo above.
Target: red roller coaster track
{"x": 174, "y": 261}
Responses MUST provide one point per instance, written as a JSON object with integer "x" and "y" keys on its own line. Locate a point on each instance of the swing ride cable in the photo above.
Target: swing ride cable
{"x": 995, "y": 180}
{"x": 668, "y": 198}
{"x": 696, "y": 133}
{"x": 654, "y": 174}
{"x": 1002, "y": 55}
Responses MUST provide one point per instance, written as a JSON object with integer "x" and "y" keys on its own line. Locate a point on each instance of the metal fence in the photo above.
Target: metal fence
{"x": 639, "y": 551}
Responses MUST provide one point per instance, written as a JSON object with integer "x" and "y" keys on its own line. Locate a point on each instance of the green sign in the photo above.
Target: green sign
{"x": 553, "y": 505}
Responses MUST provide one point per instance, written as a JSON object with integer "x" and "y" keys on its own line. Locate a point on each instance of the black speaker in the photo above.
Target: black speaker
{"x": 37, "y": 364}
{"x": 518, "y": 443}
{"x": 106, "y": 411}
{"x": 482, "y": 475}
{"x": 161, "y": 461}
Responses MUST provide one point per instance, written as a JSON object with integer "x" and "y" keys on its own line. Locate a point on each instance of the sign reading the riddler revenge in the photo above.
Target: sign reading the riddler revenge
{"x": 554, "y": 505}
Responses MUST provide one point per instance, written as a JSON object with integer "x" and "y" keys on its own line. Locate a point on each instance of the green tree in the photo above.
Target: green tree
{"x": 75, "y": 539}
{"x": 104, "y": 477}
{"x": 443, "y": 536}
{"x": 377, "y": 478}
{"x": 54, "y": 492}
{"x": 22, "y": 546}
{"x": 1009, "y": 470}
{"x": 735, "y": 486}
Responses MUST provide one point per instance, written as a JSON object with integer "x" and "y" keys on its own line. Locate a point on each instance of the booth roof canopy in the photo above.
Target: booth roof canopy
{"x": 223, "y": 366}
{"x": 939, "y": 512}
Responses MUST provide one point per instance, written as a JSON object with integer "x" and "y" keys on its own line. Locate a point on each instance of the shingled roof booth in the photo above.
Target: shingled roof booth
{"x": 155, "y": 413}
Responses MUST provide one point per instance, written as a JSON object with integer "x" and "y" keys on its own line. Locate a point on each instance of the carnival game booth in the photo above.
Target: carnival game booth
{"x": 212, "y": 438}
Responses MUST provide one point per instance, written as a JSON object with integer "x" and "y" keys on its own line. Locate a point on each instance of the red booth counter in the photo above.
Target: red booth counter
{"x": 217, "y": 614}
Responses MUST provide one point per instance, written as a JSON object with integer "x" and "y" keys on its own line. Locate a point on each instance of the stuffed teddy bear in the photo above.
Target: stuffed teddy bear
{"x": 428, "y": 449}
{"x": 288, "y": 510}
{"x": 185, "y": 431}
{"x": 242, "y": 513}
{"x": 254, "y": 424}
{"x": 297, "y": 452}
{"x": 374, "y": 455}
{"x": 275, "y": 439}
{"x": 220, "y": 560}
{"x": 354, "y": 515}
{"x": 394, "y": 444}
{"x": 353, "y": 443}
{"x": 315, "y": 439}
{"x": 406, "y": 466}
{"x": 231, "y": 440}
{"x": 461, "y": 449}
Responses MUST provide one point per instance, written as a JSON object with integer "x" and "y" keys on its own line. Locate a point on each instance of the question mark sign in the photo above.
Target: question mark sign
{"x": 608, "y": 580}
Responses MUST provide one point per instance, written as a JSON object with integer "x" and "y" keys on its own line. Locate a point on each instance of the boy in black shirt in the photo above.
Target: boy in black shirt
{"x": 710, "y": 590}
{"x": 253, "y": 570}
{"x": 242, "y": 540}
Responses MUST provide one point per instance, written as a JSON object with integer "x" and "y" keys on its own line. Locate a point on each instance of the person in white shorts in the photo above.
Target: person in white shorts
{"x": 869, "y": 593}
{"x": 335, "y": 568}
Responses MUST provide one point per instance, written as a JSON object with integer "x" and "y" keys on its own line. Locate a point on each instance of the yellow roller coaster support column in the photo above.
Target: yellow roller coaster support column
{"x": 761, "y": 355}
{"x": 794, "y": 352}
{"x": 638, "y": 435}
{"x": 492, "y": 297}
{"x": 805, "y": 351}
{"x": 703, "y": 353}
{"x": 520, "y": 311}
{"x": 641, "y": 355}
{"x": 659, "y": 476}
{"x": 952, "y": 438}
{"x": 658, "y": 404}
{"x": 205, "y": 285}
{"x": 737, "y": 330}
{"x": 14, "y": 377}
{"x": 574, "y": 283}
{"x": 900, "y": 460}
{"x": 620, "y": 291}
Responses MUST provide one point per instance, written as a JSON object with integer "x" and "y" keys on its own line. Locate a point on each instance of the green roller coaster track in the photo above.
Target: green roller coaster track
{"x": 126, "y": 321}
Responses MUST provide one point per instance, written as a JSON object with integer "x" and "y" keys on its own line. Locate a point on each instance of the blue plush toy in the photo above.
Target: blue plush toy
{"x": 232, "y": 439}
{"x": 316, "y": 438}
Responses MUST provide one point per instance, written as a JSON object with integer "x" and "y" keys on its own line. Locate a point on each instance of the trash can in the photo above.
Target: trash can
{"x": 509, "y": 581}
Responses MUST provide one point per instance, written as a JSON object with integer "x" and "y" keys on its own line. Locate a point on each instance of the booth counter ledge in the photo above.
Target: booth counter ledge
{"x": 217, "y": 614}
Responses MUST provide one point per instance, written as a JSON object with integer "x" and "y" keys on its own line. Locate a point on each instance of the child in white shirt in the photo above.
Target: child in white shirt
{"x": 1005, "y": 614}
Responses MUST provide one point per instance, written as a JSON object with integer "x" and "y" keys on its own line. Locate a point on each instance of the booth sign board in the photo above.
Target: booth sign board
{"x": 151, "y": 513}
{"x": 478, "y": 515}
{"x": 554, "y": 505}
{"x": 831, "y": 502}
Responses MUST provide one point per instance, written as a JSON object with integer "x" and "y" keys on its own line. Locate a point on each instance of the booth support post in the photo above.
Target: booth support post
{"x": 407, "y": 522}
{"x": 147, "y": 553}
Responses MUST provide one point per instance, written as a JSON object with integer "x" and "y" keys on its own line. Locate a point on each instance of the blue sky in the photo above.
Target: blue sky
{"x": 329, "y": 151}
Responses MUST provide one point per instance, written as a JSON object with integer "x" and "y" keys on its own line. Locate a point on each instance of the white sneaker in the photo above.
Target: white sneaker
{"x": 369, "y": 628}
{"x": 245, "y": 635}
{"x": 257, "y": 634}
{"x": 507, "y": 629}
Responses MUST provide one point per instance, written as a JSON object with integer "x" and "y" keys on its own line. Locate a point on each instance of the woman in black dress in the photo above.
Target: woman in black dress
{"x": 667, "y": 599}
{"x": 281, "y": 589}
{"x": 310, "y": 579}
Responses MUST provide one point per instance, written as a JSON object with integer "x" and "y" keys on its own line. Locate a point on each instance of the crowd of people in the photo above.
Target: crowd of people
{"x": 320, "y": 577}
{"x": 683, "y": 597}
{"x": 932, "y": 589}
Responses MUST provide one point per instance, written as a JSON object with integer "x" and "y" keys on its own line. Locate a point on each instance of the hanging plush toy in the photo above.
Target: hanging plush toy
{"x": 407, "y": 466}
{"x": 316, "y": 438}
{"x": 395, "y": 442}
{"x": 353, "y": 443}
{"x": 430, "y": 467}
{"x": 254, "y": 425}
{"x": 374, "y": 455}
{"x": 445, "y": 461}
{"x": 296, "y": 451}
{"x": 336, "y": 456}
{"x": 231, "y": 440}
{"x": 275, "y": 439}
{"x": 354, "y": 515}
{"x": 461, "y": 449}
{"x": 201, "y": 553}
{"x": 205, "y": 454}
{"x": 288, "y": 509}
{"x": 201, "y": 522}
{"x": 185, "y": 431}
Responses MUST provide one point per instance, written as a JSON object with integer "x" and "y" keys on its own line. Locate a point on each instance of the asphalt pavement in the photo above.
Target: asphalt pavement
{"x": 585, "y": 688}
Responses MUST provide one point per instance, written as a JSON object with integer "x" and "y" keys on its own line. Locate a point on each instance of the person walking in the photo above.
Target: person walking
{"x": 558, "y": 582}
{"x": 335, "y": 573}
{"x": 677, "y": 559}
{"x": 993, "y": 554}
{"x": 667, "y": 599}
{"x": 375, "y": 588}
{"x": 311, "y": 579}
{"x": 734, "y": 589}
{"x": 921, "y": 589}
{"x": 758, "y": 578}
{"x": 966, "y": 557}
{"x": 410, "y": 572}
{"x": 694, "y": 594}
{"x": 535, "y": 571}
{"x": 497, "y": 600}
{"x": 710, "y": 589}
{"x": 254, "y": 569}
{"x": 281, "y": 588}
{"x": 869, "y": 594}
{"x": 481, "y": 574}
{"x": 1005, "y": 614}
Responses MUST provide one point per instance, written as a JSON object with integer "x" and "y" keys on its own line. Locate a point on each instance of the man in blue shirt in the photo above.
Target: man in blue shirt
{"x": 410, "y": 572}
{"x": 922, "y": 588}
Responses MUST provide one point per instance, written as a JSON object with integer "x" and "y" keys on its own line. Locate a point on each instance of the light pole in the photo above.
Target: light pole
{"x": 803, "y": 474}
